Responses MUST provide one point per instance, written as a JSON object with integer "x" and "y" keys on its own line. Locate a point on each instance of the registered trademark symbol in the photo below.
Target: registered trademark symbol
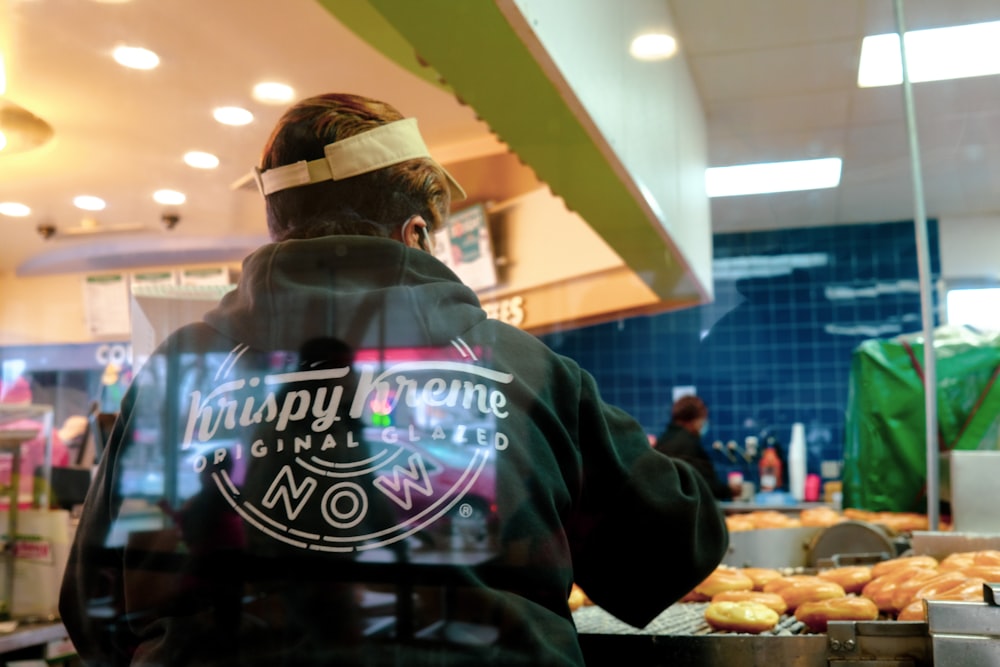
{"x": 465, "y": 510}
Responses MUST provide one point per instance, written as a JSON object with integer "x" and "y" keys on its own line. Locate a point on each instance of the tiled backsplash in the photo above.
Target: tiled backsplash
{"x": 775, "y": 347}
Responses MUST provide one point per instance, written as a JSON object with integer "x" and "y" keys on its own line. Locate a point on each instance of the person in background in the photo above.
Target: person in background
{"x": 682, "y": 440}
{"x": 331, "y": 514}
{"x": 17, "y": 392}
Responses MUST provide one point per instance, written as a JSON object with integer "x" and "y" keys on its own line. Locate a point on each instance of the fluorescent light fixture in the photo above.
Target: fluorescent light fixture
{"x": 89, "y": 203}
{"x": 136, "y": 57}
{"x": 3, "y": 141}
{"x": 14, "y": 210}
{"x": 272, "y": 92}
{"x": 201, "y": 160}
{"x": 169, "y": 197}
{"x": 937, "y": 54}
{"x": 653, "y": 46}
{"x": 765, "y": 177}
{"x": 232, "y": 115}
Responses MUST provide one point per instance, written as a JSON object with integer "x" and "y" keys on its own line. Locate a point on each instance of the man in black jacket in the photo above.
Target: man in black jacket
{"x": 682, "y": 440}
{"x": 347, "y": 463}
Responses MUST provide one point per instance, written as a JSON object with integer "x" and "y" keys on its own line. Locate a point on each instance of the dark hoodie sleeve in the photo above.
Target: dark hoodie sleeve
{"x": 92, "y": 583}
{"x": 648, "y": 527}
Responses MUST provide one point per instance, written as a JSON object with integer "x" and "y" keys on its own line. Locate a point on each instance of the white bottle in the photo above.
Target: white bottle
{"x": 797, "y": 462}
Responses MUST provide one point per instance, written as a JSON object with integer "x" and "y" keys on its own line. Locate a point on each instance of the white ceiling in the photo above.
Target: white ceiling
{"x": 778, "y": 82}
{"x": 777, "y": 78}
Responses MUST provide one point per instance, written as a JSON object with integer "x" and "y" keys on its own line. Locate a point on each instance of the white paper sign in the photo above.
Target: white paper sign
{"x": 106, "y": 304}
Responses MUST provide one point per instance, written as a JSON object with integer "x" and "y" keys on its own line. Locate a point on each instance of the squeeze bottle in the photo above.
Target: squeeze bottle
{"x": 797, "y": 462}
{"x": 770, "y": 470}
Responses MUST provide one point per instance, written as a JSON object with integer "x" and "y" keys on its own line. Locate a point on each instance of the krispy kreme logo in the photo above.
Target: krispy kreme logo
{"x": 418, "y": 436}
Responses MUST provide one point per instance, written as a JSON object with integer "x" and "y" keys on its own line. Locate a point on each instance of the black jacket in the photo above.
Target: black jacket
{"x": 680, "y": 443}
{"x": 348, "y": 463}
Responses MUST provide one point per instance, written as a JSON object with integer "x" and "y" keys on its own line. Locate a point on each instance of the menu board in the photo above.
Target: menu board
{"x": 106, "y": 304}
{"x": 464, "y": 245}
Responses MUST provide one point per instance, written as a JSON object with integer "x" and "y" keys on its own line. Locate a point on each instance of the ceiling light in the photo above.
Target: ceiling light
{"x": 89, "y": 203}
{"x": 653, "y": 46}
{"x": 169, "y": 197}
{"x": 271, "y": 92}
{"x": 200, "y": 160}
{"x": 931, "y": 55}
{"x": 752, "y": 179}
{"x": 136, "y": 57}
{"x": 21, "y": 129}
{"x": 14, "y": 209}
{"x": 232, "y": 115}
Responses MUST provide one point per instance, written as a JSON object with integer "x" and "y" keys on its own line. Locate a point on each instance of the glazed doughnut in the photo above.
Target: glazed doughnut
{"x": 577, "y": 598}
{"x": 928, "y": 582}
{"x": 887, "y": 566}
{"x": 987, "y": 572}
{"x": 915, "y": 611}
{"x": 694, "y": 596}
{"x": 772, "y": 600}
{"x": 859, "y": 515}
{"x": 760, "y": 576}
{"x": 772, "y": 519}
{"x": 775, "y": 585}
{"x": 752, "y": 617}
{"x": 969, "y": 589}
{"x": 852, "y": 578}
{"x": 964, "y": 559}
{"x": 820, "y": 516}
{"x": 724, "y": 579}
{"x": 902, "y": 522}
{"x": 738, "y": 523}
{"x": 817, "y": 613}
{"x": 881, "y": 589}
{"x": 800, "y": 592}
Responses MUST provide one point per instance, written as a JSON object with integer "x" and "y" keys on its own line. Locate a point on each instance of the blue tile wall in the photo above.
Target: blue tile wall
{"x": 775, "y": 346}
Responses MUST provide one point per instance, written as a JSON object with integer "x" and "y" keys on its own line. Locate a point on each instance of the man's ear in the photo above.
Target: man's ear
{"x": 414, "y": 232}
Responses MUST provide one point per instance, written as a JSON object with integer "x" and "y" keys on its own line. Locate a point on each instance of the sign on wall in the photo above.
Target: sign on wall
{"x": 464, "y": 245}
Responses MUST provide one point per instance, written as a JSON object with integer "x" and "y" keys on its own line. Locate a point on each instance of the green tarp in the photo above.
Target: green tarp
{"x": 885, "y": 444}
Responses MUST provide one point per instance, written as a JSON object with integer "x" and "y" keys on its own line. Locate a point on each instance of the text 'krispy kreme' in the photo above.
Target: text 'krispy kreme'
{"x": 287, "y": 399}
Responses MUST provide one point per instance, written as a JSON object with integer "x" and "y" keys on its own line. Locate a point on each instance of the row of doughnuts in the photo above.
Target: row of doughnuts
{"x": 899, "y": 586}
{"x": 752, "y": 600}
{"x": 824, "y": 516}
{"x": 894, "y": 588}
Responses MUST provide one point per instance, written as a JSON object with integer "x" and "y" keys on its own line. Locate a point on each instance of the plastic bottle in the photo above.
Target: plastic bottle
{"x": 797, "y": 462}
{"x": 770, "y": 470}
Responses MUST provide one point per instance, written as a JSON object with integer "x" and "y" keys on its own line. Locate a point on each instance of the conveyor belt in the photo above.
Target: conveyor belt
{"x": 681, "y": 619}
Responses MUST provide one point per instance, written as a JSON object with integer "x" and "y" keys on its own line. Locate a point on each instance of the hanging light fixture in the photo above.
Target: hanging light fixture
{"x": 21, "y": 130}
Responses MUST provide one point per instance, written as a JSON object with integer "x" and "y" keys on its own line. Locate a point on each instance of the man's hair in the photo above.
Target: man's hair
{"x": 687, "y": 409}
{"x": 372, "y": 204}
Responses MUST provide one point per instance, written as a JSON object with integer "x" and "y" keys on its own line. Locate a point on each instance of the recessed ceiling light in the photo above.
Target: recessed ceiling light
{"x": 14, "y": 210}
{"x": 201, "y": 160}
{"x": 89, "y": 203}
{"x": 653, "y": 46}
{"x": 271, "y": 92}
{"x": 232, "y": 115}
{"x": 169, "y": 197}
{"x": 931, "y": 55}
{"x": 136, "y": 57}
{"x": 767, "y": 177}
